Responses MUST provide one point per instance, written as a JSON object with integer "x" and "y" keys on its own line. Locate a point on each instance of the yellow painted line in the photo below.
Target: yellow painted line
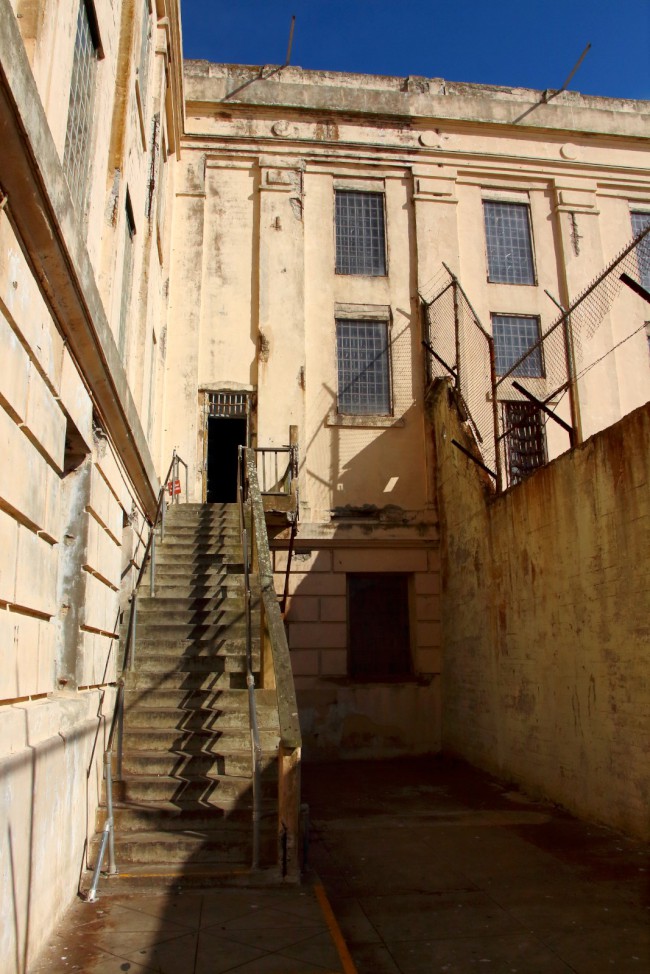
{"x": 335, "y": 930}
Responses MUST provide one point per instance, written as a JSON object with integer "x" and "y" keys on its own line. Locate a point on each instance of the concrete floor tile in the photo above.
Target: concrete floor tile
{"x": 604, "y": 950}
{"x": 374, "y": 959}
{"x": 274, "y": 937}
{"x": 166, "y": 957}
{"x": 355, "y": 925}
{"x": 420, "y": 917}
{"x": 282, "y": 964}
{"x": 509, "y": 954}
{"x": 318, "y": 949}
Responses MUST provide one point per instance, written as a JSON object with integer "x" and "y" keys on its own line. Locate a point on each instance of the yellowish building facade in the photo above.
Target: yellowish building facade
{"x": 315, "y": 213}
{"x": 192, "y": 261}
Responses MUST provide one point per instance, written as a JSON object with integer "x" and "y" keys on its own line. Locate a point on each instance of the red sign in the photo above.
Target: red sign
{"x": 174, "y": 487}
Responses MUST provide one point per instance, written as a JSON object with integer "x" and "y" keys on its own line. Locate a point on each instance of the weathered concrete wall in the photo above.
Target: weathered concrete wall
{"x": 545, "y": 622}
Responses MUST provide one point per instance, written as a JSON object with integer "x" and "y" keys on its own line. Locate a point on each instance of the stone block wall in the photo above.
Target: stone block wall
{"x": 346, "y": 718}
{"x": 545, "y": 621}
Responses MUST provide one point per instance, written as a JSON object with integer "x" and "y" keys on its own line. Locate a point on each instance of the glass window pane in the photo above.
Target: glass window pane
{"x": 509, "y": 244}
{"x": 360, "y": 238}
{"x": 363, "y": 378}
{"x": 639, "y": 222}
{"x": 514, "y": 335}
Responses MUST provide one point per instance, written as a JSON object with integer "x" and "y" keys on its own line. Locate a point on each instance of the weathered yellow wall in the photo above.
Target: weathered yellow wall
{"x": 545, "y": 620}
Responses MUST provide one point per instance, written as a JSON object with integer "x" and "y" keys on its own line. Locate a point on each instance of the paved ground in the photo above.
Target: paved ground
{"x": 433, "y": 867}
{"x": 279, "y": 931}
{"x": 429, "y": 867}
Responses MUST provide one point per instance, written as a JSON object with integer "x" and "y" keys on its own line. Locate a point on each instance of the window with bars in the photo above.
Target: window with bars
{"x": 525, "y": 439}
{"x": 78, "y": 137}
{"x": 513, "y": 336}
{"x": 641, "y": 220}
{"x": 127, "y": 273}
{"x": 145, "y": 43}
{"x": 363, "y": 367}
{"x": 509, "y": 242}
{"x": 360, "y": 233}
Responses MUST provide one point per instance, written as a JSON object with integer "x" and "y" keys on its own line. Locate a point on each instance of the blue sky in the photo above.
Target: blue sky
{"x": 531, "y": 43}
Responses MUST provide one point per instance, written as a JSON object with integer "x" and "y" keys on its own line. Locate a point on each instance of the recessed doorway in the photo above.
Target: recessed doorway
{"x": 226, "y": 429}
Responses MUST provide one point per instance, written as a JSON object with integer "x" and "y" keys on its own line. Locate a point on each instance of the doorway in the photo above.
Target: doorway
{"x": 225, "y": 435}
{"x": 379, "y": 644}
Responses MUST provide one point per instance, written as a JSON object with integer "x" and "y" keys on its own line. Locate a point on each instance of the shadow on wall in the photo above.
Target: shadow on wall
{"x": 363, "y": 613}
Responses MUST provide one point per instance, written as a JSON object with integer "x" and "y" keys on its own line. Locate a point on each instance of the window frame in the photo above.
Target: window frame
{"x": 644, "y": 279}
{"x": 126, "y": 281}
{"x": 340, "y": 191}
{"x": 489, "y": 202}
{"x": 364, "y": 320}
{"x": 517, "y": 374}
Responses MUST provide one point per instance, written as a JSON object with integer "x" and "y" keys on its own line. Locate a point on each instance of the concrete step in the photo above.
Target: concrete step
{"x": 206, "y": 846}
{"x": 148, "y": 632}
{"x": 210, "y": 721}
{"x": 228, "y": 608}
{"x": 193, "y": 596}
{"x": 208, "y": 679}
{"x": 235, "y": 763}
{"x": 219, "y": 791}
{"x": 194, "y": 532}
{"x": 134, "y": 877}
{"x": 172, "y": 816}
{"x": 153, "y": 666}
{"x": 198, "y": 740}
{"x": 266, "y": 700}
{"x": 162, "y": 645}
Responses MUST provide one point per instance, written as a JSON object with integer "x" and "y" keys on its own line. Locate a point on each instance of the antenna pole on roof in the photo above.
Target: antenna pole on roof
{"x": 290, "y": 44}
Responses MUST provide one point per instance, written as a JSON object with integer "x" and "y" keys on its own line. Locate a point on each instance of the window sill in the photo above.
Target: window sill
{"x": 364, "y": 422}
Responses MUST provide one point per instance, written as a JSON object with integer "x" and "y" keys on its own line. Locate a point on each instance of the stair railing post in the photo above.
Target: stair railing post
{"x": 108, "y": 774}
{"x": 152, "y": 586}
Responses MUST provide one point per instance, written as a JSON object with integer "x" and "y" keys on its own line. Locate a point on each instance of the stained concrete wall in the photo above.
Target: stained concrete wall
{"x": 545, "y": 623}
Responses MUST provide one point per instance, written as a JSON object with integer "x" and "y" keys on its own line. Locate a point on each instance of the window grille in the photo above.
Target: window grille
{"x": 360, "y": 234}
{"x": 127, "y": 273}
{"x": 513, "y": 336}
{"x": 76, "y": 155}
{"x": 227, "y": 403}
{"x": 525, "y": 439}
{"x": 509, "y": 243}
{"x": 363, "y": 367}
{"x": 640, "y": 221}
{"x": 145, "y": 43}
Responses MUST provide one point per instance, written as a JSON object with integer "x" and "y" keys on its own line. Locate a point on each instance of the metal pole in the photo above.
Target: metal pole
{"x": 134, "y": 610}
{"x": 108, "y": 775}
{"x": 457, "y": 330}
{"x": 120, "y": 730}
{"x": 92, "y": 892}
{"x": 495, "y": 417}
{"x": 569, "y": 351}
{"x": 152, "y": 586}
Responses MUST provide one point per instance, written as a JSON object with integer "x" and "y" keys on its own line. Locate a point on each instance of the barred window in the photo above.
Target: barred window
{"x": 509, "y": 243}
{"x": 360, "y": 233}
{"x": 127, "y": 273}
{"x": 640, "y": 221}
{"x": 145, "y": 43}
{"x": 525, "y": 439}
{"x": 76, "y": 155}
{"x": 513, "y": 336}
{"x": 363, "y": 369}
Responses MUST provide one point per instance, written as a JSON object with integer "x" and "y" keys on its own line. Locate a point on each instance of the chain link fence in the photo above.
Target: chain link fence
{"x": 515, "y": 377}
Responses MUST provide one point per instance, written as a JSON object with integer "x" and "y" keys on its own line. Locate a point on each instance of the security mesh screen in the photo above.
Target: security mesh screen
{"x": 76, "y": 155}
{"x": 513, "y": 336}
{"x": 362, "y": 352}
{"x": 509, "y": 246}
{"x": 360, "y": 238}
{"x": 639, "y": 222}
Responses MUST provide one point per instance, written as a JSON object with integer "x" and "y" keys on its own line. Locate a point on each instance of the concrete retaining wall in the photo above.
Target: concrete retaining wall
{"x": 545, "y": 622}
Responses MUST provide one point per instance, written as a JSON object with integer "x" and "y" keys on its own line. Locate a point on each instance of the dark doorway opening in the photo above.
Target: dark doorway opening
{"x": 225, "y": 436}
{"x": 379, "y": 638}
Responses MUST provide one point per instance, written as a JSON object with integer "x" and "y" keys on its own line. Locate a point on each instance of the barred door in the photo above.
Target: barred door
{"x": 525, "y": 439}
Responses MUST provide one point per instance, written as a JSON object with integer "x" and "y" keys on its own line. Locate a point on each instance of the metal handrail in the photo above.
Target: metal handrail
{"x": 256, "y": 748}
{"x": 117, "y": 721}
{"x": 288, "y": 474}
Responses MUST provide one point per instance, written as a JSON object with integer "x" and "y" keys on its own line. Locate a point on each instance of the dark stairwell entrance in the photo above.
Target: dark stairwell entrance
{"x": 225, "y": 435}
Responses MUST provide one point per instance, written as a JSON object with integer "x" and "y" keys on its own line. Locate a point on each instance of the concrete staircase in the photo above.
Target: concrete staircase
{"x": 184, "y": 806}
